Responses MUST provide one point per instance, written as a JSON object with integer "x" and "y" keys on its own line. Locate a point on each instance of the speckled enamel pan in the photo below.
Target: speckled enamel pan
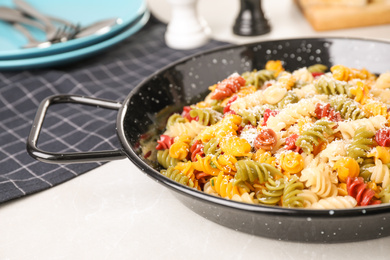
{"x": 187, "y": 81}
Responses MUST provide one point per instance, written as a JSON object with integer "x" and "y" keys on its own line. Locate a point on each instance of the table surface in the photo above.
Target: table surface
{"x": 116, "y": 212}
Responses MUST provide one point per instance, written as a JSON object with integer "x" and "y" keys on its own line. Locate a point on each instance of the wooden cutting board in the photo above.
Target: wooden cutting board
{"x": 324, "y": 17}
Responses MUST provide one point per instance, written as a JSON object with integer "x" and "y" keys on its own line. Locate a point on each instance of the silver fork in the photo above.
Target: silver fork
{"x": 28, "y": 9}
{"x": 62, "y": 34}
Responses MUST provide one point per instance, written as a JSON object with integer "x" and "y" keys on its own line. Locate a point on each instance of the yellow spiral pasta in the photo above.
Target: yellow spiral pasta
{"x": 180, "y": 148}
{"x": 346, "y": 167}
{"x": 224, "y": 186}
{"x": 274, "y": 65}
{"x": 361, "y": 92}
{"x": 380, "y": 152}
{"x": 291, "y": 163}
{"x": 187, "y": 169}
{"x": 235, "y": 146}
{"x": 225, "y": 162}
{"x": 342, "y": 189}
{"x": 204, "y": 165}
{"x": 303, "y": 123}
{"x": 375, "y": 108}
{"x": 344, "y": 73}
{"x": 263, "y": 156}
{"x": 226, "y": 127}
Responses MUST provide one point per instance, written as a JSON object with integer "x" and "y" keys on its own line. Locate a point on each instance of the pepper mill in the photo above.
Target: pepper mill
{"x": 250, "y": 20}
{"x": 185, "y": 29}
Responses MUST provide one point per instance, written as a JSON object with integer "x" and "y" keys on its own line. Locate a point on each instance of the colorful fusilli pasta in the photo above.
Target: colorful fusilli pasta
{"x": 309, "y": 138}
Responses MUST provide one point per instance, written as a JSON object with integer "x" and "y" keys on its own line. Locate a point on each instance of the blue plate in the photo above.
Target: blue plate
{"x": 83, "y": 12}
{"x": 75, "y": 55}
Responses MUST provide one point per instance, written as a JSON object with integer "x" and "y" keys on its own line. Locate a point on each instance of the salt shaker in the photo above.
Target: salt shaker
{"x": 250, "y": 20}
{"x": 185, "y": 29}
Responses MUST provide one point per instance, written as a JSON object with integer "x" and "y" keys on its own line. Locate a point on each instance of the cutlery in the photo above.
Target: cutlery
{"x": 99, "y": 27}
{"x": 32, "y": 42}
{"x": 55, "y": 34}
{"x": 67, "y": 32}
{"x": 14, "y": 16}
{"x": 51, "y": 30}
{"x": 63, "y": 34}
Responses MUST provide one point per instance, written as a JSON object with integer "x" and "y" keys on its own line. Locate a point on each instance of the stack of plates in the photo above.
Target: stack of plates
{"x": 133, "y": 15}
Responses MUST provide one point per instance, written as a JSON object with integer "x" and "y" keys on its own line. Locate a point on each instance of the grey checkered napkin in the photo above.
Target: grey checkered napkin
{"x": 109, "y": 75}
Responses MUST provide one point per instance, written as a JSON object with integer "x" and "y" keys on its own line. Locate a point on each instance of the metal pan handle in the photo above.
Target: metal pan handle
{"x": 75, "y": 157}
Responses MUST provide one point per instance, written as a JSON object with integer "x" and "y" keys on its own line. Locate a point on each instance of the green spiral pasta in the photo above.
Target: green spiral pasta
{"x": 165, "y": 160}
{"x": 348, "y": 108}
{"x": 211, "y": 147}
{"x": 365, "y": 166}
{"x": 205, "y": 116}
{"x": 292, "y": 188}
{"x": 273, "y": 191}
{"x": 254, "y": 115}
{"x": 384, "y": 195}
{"x": 257, "y": 78}
{"x": 175, "y": 118}
{"x": 361, "y": 144}
{"x": 250, "y": 117}
{"x": 330, "y": 86}
{"x": 216, "y": 105}
{"x": 317, "y": 68}
{"x": 314, "y": 134}
{"x": 177, "y": 176}
{"x": 248, "y": 170}
{"x": 289, "y": 98}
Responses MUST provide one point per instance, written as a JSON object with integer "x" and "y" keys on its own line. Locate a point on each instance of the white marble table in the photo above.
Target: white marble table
{"x": 116, "y": 212}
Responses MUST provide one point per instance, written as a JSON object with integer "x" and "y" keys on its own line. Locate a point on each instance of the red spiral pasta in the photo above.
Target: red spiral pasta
{"x": 359, "y": 190}
{"x": 228, "y": 87}
{"x": 267, "y": 113}
{"x": 164, "y": 143}
{"x": 266, "y": 140}
{"x": 186, "y": 114}
{"x": 202, "y": 177}
{"x": 317, "y": 74}
{"x": 290, "y": 143}
{"x": 227, "y": 109}
{"x": 382, "y": 137}
{"x": 196, "y": 148}
{"x": 328, "y": 112}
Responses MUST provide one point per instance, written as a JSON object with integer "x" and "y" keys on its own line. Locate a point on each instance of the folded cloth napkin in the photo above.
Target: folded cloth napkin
{"x": 109, "y": 75}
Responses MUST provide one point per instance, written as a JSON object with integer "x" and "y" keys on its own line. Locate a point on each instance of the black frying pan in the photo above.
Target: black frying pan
{"x": 144, "y": 110}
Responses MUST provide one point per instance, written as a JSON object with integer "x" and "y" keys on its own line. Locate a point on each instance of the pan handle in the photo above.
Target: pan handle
{"x": 75, "y": 157}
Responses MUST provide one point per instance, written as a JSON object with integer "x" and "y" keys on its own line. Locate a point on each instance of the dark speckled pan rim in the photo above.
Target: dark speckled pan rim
{"x": 271, "y": 210}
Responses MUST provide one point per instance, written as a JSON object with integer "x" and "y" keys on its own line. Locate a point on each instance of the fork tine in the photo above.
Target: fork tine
{"x": 61, "y": 34}
{"x": 67, "y": 33}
